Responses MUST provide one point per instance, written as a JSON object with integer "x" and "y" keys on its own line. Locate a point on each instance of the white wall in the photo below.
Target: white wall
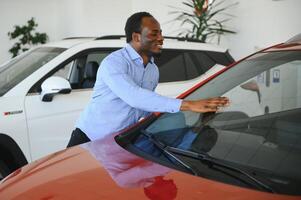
{"x": 17, "y": 12}
{"x": 92, "y": 17}
{"x": 161, "y": 10}
{"x": 258, "y": 23}
{"x": 262, "y": 23}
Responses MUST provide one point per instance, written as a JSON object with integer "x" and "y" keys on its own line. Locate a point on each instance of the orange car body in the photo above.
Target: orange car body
{"x": 76, "y": 174}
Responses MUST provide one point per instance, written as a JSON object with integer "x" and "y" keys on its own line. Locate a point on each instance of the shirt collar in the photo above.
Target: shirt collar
{"x": 134, "y": 55}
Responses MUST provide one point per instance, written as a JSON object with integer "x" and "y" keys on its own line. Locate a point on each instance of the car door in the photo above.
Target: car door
{"x": 50, "y": 123}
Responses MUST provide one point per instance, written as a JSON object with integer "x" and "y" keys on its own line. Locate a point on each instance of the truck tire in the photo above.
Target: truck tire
{"x": 11, "y": 156}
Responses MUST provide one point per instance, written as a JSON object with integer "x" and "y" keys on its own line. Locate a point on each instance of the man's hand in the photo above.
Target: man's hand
{"x": 205, "y": 105}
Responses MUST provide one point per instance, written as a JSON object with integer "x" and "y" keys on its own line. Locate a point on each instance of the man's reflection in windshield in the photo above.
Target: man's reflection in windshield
{"x": 199, "y": 137}
{"x": 130, "y": 171}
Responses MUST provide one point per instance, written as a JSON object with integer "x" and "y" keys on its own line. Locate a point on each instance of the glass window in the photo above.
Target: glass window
{"x": 75, "y": 71}
{"x": 97, "y": 57}
{"x": 192, "y": 70}
{"x": 64, "y": 72}
{"x": 181, "y": 65}
{"x": 86, "y": 71}
{"x": 171, "y": 67}
{"x": 221, "y": 58}
{"x": 258, "y": 135}
{"x": 19, "y": 68}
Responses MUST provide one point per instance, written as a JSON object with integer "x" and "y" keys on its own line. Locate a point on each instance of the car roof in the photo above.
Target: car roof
{"x": 119, "y": 41}
{"x": 69, "y": 42}
{"x": 293, "y": 44}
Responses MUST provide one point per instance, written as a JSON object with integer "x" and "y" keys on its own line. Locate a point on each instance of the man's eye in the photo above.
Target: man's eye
{"x": 154, "y": 34}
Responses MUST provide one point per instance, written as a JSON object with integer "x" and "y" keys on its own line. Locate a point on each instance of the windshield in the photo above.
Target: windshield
{"x": 259, "y": 133}
{"x": 19, "y": 68}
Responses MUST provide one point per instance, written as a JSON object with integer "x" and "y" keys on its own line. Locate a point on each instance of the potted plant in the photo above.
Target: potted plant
{"x": 26, "y": 37}
{"x": 205, "y": 19}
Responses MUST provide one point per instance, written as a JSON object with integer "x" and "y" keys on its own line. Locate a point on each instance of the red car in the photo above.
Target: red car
{"x": 249, "y": 150}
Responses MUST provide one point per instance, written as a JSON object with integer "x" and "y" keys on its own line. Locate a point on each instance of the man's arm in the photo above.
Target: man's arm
{"x": 114, "y": 74}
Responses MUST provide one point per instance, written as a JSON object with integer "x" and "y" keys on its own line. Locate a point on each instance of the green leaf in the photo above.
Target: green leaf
{"x": 26, "y": 38}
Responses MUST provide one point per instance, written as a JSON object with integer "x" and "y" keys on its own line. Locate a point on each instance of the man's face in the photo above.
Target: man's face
{"x": 151, "y": 36}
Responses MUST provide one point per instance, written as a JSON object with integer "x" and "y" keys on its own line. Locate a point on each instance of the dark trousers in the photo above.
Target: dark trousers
{"x": 78, "y": 137}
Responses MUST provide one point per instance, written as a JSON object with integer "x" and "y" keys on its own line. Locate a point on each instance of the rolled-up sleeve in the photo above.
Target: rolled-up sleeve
{"x": 114, "y": 74}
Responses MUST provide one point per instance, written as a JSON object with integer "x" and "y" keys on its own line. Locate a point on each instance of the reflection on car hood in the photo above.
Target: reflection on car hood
{"x": 103, "y": 170}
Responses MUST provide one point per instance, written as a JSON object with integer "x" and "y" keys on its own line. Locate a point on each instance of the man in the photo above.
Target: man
{"x": 125, "y": 84}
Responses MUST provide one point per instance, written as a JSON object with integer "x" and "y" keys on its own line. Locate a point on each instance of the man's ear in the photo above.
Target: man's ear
{"x": 136, "y": 37}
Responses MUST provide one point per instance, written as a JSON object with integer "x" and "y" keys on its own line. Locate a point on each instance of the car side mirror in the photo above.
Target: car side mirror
{"x": 52, "y": 86}
{"x": 252, "y": 86}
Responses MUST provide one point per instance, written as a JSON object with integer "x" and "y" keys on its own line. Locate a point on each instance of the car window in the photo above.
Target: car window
{"x": 64, "y": 72}
{"x": 83, "y": 74}
{"x": 259, "y": 133}
{"x": 96, "y": 57}
{"x": 181, "y": 65}
{"x": 174, "y": 65}
{"x": 80, "y": 71}
{"x": 21, "y": 67}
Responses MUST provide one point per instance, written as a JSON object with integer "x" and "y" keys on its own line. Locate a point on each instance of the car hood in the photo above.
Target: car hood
{"x": 103, "y": 170}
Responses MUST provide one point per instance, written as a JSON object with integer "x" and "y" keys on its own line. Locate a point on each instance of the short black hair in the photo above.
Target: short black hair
{"x": 133, "y": 24}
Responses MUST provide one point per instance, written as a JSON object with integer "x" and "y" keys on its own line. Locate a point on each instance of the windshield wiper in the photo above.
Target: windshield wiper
{"x": 164, "y": 148}
{"x": 212, "y": 162}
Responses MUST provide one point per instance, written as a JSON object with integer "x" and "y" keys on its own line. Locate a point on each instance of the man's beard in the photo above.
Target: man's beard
{"x": 155, "y": 54}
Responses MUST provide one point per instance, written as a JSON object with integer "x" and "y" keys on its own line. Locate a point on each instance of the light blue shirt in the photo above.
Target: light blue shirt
{"x": 123, "y": 93}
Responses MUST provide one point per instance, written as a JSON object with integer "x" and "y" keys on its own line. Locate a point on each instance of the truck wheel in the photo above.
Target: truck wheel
{"x": 4, "y": 170}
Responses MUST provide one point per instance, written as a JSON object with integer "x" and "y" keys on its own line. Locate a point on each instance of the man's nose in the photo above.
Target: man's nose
{"x": 160, "y": 37}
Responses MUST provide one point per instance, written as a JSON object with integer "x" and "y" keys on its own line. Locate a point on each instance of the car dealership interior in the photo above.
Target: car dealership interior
{"x": 203, "y": 101}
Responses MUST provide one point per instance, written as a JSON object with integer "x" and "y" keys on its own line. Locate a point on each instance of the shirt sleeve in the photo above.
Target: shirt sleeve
{"x": 113, "y": 72}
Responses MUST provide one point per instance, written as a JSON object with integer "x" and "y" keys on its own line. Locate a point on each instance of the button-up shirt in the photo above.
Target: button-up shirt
{"x": 123, "y": 93}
